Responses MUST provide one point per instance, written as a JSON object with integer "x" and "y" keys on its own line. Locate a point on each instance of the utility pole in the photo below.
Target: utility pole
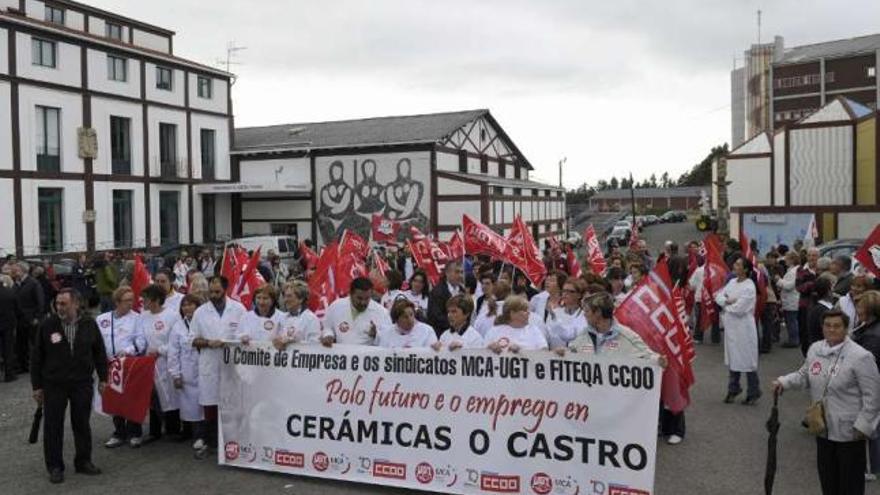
{"x": 564, "y": 159}
{"x": 632, "y": 197}
{"x": 565, "y": 203}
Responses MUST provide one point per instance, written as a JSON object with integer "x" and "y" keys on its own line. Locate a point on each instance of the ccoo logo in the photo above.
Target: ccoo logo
{"x": 499, "y": 483}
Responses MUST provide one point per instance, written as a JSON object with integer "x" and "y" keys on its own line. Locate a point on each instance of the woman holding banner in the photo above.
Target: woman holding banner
{"x": 513, "y": 331}
{"x": 300, "y": 325}
{"x": 405, "y": 332}
{"x": 737, "y": 300}
{"x": 461, "y": 334}
{"x": 261, "y": 324}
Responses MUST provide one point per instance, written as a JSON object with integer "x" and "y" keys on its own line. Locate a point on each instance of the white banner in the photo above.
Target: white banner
{"x": 455, "y": 422}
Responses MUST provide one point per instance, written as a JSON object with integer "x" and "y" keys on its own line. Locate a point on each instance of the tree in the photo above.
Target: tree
{"x": 653, "y": 180}
{"x": 626, "y": 183}
{"x": 664, "y": 180}
{"x": 614, "y": 184}
{"x": 602, "y": 185}
{"x": 701, "y": 173}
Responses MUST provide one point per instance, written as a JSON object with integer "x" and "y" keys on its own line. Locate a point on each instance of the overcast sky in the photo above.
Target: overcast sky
{"x": 619, "y": 86}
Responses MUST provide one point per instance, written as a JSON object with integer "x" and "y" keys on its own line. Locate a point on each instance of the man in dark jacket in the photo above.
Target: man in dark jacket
{"x": 32, "y": 306}
{"x": 8, "y": 320}
{"x": 68, "y": 350}
{"x": 805, "y": 281}
{"x": 450, "y": 285}
{"x": 841, "y": 267}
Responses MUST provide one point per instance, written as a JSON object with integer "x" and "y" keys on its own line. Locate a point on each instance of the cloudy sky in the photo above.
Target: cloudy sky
{"x": 620, "y": 86}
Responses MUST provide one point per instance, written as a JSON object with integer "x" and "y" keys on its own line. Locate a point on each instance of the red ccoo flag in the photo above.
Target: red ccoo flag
{"x": 480, "y": 239}
{"x": 140, "y": 278}
{"x": 574, "y": 267}
{"x": 384, "y": 230}
{"x": 129, "y": 387}
{"x": 522, "y": 252}
{"x": 869, "y": 254}
{"x": 322, "y": 291}
{"x": 249, "y": 281}
{"x": 714, "y": 278}
{"x": 310, "y": 257}
{"x": 594, "y": 252}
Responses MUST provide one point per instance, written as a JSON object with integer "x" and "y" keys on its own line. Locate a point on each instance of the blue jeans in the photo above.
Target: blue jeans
{"x": 753, "y": 388}
{"x": 791, "y": 323}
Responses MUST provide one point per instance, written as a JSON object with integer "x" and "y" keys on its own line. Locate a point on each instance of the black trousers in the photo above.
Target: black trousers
{"x": 769, "y": 326}
{"x": 24, "y": 336}
{"x": 841, "y": 467}
{"x": 171, "y": 419}
{"x": 7, "y": 349}
{"x": 671, "y": 423}
{"x": 124, "y": 429}
{"x": 55, "y": 399}
{"x": 803, "y": 334}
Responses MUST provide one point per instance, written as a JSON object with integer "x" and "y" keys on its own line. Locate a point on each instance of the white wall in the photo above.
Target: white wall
{"x": 856, "y": 225}
{"x": 5, "y": 128}
{"x": 173, "y": 97}
{"x": 74, "y": 20}
{"x": 8, "y": 3}
{"x": 151, "y": 41}
{"x": 102, "y": 110}
{"x": 492, "y": 169}
{"x": 155, "y": 116}
{"x": 4, "y": 52}
{"x": 73, "y": 205}
{"x": 749, "y": 181}
{"x": 779, "y": 184}
{"x": 821, "y": 166}
{"x": 287, "y": 171}
{"x": 447, "y": 162}
{"x": 450, "y": 212}
{"x": 7, "y": 220}
{"x": 35, "y": 9}
{"x": 98, "y": 80}
{"x": 219, "y": 101}
{"x": 71, "y": 119}
{"x": 183, "y": 211}
{"x": 449, "y": 186}
{"x": 67, "y": 63}
{"x": 473, "y": 165}
{"x": 220, "y": 125}
{"x": 275, "y": 210}
{"x": 98, "y": 27}
{"x": 104, "y": 213}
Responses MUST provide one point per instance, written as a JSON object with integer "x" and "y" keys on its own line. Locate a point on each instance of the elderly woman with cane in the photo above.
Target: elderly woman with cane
{"x": 845, "y": 389}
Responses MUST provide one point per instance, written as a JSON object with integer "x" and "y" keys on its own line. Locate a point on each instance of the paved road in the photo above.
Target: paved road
{"x": 724, "y": 452}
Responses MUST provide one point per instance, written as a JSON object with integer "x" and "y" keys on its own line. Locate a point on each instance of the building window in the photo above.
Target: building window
{"x": 114, "y": 31}
{"x": 120, "y": 145}
{"x": 872, "y": 71}
{"x": 43, "y": 52}
{"x": 117, "y": 68}
{"x": 164, "y": 78}
{"x": 48, "y": 139}
{"x": 50, "y": 207}
{"x": 122, "y": 219}
{"x": 169, "y": 217}
{"x": 54, "y": 15}
{"x": 168, "y": 149}
{"x": 206, "y": 87}
{"x": 208, "y": 153}
{"x": 209, "y": 209}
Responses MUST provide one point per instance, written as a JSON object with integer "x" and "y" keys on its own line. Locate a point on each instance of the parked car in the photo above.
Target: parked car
{"x": 652, "y": 219}
{"x": 620, "y": 235}
{"x": 284, "y": 246}
{"x": 840, "y": 246}
{"x": 673, "y": 216}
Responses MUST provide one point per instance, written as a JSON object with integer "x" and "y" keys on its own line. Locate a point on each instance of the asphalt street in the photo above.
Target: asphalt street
{"x": 724, "y": 451}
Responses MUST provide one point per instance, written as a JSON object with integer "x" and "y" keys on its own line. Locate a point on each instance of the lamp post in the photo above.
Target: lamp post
{"x": 564, "y": 199}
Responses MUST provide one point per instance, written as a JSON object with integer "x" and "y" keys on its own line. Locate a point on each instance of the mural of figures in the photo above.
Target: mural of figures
{"x": 352, "y": 188}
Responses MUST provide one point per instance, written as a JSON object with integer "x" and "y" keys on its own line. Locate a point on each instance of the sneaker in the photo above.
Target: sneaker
{"x": 674, "y": 440}
{"x": 201, "y": 453}
{"x": 199, "y": 444}
{"x": 135, "y": 442}
{"x": 113, "y": 442}
{"x": 870, "y": 477}
{"x": 730, "y": 397}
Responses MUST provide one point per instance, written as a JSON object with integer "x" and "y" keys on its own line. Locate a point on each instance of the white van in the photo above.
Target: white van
{"x": 282, "y": 245}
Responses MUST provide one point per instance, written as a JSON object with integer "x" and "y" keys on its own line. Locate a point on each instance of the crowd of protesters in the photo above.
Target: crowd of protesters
{"x": 187, "y": 318}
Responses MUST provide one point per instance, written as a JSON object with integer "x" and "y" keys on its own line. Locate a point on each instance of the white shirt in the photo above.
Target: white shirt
{"x": 566, "y": 326}
{"x": 349, "y": 328}
{"x": 484, "y": 321}
{"x": 419, "y": 300}
{"x": 157, "y": 329}
{"x": 393, "y": 337}
{"x": 301, "y": 328}
{"x": 538, "y": 303}
{"x": 696, "y": 282}
{"x": 470, "y": 339}
{"x": 528, "y": 338}
{"x": 389, "y": 297}
{"x": 259, "y": 328}
{"x": 173, "y": 301}
{"x": 121, "y": 334}
{"x": 208, "y": 324}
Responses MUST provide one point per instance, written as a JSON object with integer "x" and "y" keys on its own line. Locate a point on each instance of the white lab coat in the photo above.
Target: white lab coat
{"x": 563, "y": 327}
{"x": 302, "y": 328}
{"x": 529, "y": 338}
{"x": 183, "y": 363}
{"x": 339, "y": 323}
{"x": 788, "y": 290}
{"x": 208, "y": 324}
{"x": 538, "y": 303}
{"x": 157, "y": 328}
{"x": 121, "y": 334}
{"x": 420, "y": 336}
{"x": 738, "y": 319}
{"x": 469, "y": 339}
{"x": 173, "y": 301}
{"x": 259, "y": 328}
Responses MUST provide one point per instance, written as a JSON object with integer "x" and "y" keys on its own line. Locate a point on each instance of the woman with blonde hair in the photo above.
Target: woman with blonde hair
{"x": 492, "y": 306}
{"x": 513, "y": 331}
{"x": 300, "y": 325}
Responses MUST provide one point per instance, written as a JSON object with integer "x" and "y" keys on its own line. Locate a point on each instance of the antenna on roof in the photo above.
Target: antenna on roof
{"x": 231, "y": 50}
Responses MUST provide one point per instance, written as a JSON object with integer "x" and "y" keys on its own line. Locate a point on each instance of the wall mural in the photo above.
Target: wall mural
{"x": 351, "y": 189}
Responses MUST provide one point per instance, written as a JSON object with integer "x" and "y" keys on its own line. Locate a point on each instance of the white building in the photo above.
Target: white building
{"x": 316, "y": 179}
{"x": 108, "y": 133}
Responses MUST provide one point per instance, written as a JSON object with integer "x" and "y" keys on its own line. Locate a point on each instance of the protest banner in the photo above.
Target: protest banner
{"x": 452, "y": 422}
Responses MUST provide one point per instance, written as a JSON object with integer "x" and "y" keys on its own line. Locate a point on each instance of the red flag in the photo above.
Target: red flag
{"x": 869, "y": 254}
{"x": 456, "y": 246}
{"x": 634, "y": 236}
{"x": 235, "y": 259}
{"x": 594, "y": 251}
{"x": 249, "y": 281}
{"x": 129, "y": 386}
{"x": 649, "y": 311}
{"x": 380, "y": 263}
{"x": 384, "y": 230}
{"x": 308, "y": 255}
{"x": 554, "y": 244}
{"x": 139, "y": 279}
{"x": 321, "y": 284}
{"x": 574, "y": 267}
{"x": 416, "y": 234}
{"x": 351, "y": 243}
{"x": 522, "y": 252}
{"x": 480, "y": 239}
{"x": 423, "y": 255}
{"x": 714, "y": 278}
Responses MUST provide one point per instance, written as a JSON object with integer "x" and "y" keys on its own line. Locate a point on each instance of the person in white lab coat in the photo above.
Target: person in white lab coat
{"x": 737, "y": 300}
{"x": 513, "y": 331}
{"x": 418, "y": 292}
{"x": 461, "y": 334}
{"x": 395, "y": 282}
{"x": 405, "y": 331}
{"x": 565, "y": 319}
{"x": 493, "y": 305}
{"x": 213, "y": 323}
{"x": 261, "y": 324}
{"x": 354, "y": 319}
{"x": 183, "y": 366}
{"x": 300, "y": 325}
{"x": 163, "y": 278}
{"x": 122, "y": 338}
{"x": 550, "y": 296}
{"x": 156, "y": 322}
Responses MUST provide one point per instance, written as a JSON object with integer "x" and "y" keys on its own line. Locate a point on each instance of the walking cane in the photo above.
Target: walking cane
{"x": 773, "y": 429}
